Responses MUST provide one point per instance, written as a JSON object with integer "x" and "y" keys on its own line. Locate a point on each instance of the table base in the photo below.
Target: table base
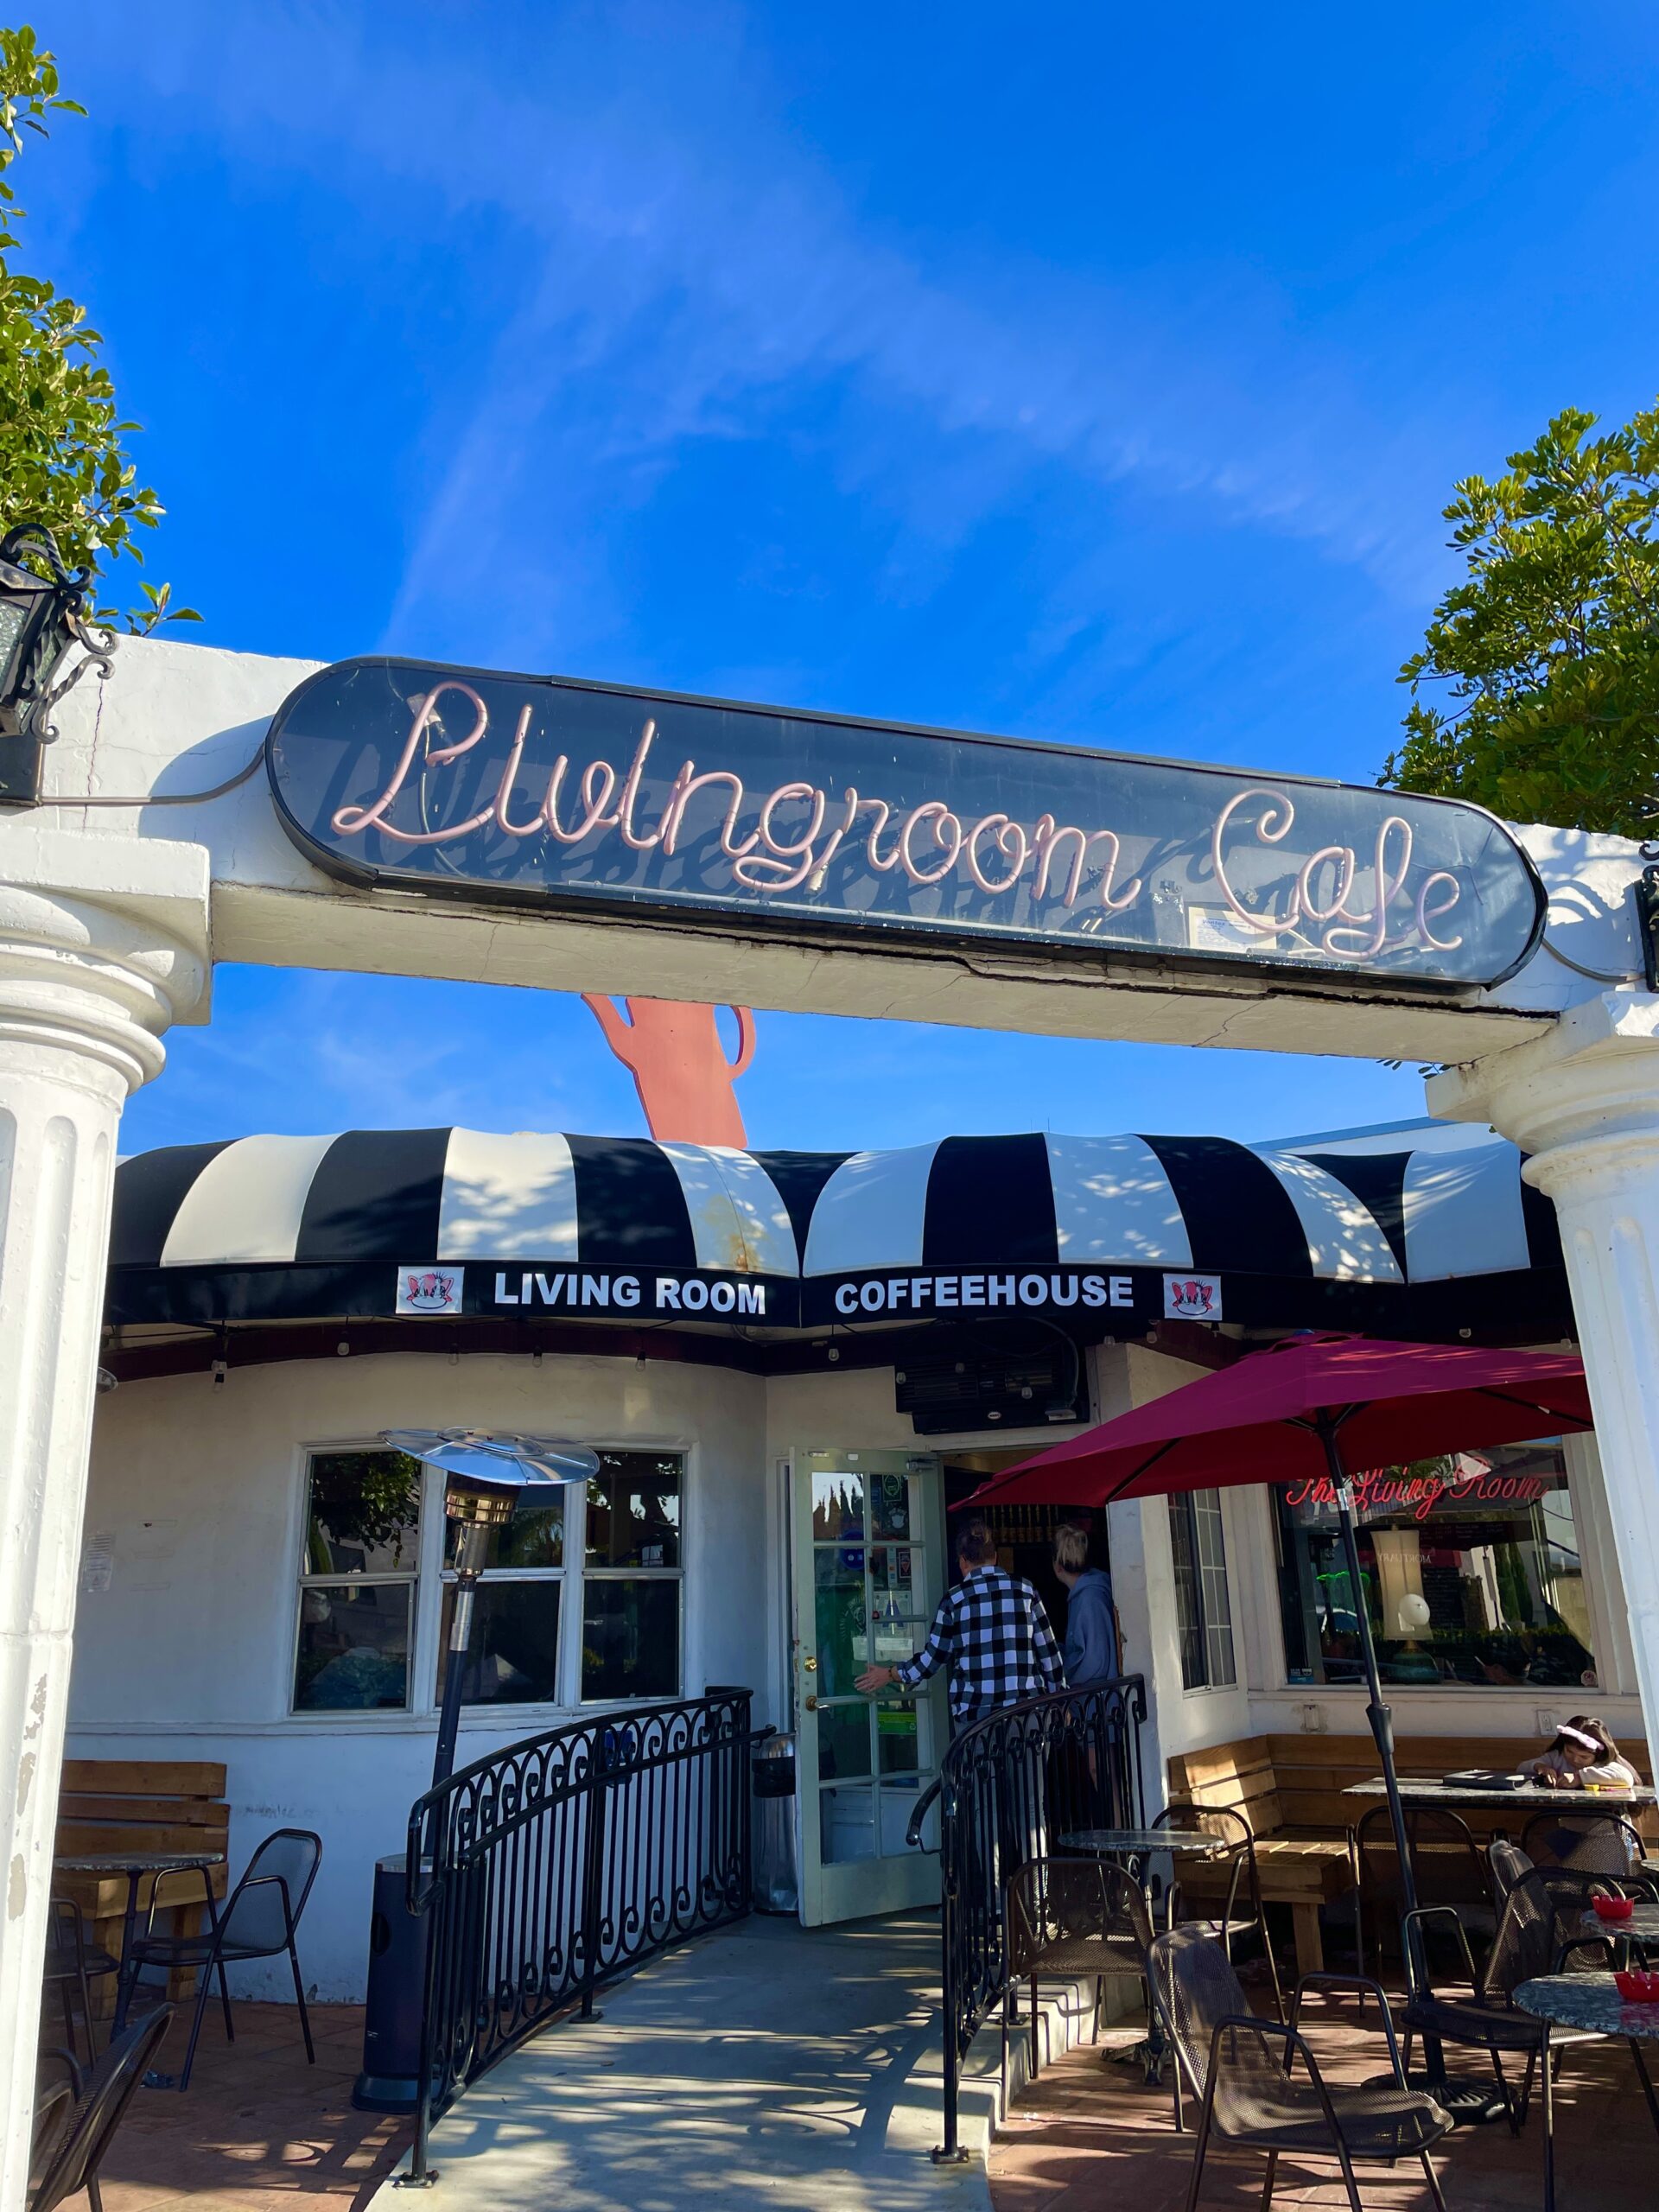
{"x": 1467, "y": 2102}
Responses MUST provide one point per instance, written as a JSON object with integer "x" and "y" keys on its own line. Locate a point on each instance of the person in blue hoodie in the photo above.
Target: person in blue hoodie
{"x": 1091, "y": 1646}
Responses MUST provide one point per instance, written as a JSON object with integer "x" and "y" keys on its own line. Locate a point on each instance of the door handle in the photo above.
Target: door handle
{"x": 808, "y": 1666}
{"x": 811, "y": 1704}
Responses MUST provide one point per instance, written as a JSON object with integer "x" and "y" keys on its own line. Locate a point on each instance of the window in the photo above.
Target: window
{"x": 513, "y": 1653}
{"x": 631, "y": 1578}
{"x": 1469, "y": 1566}
{"x": 358, "y": 1582}
{"x": 614, "y": 1633}
{"x": 1203, "y": 1604}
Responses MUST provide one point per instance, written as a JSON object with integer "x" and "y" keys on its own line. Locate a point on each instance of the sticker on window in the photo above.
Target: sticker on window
{"x": 430, "y": 1290}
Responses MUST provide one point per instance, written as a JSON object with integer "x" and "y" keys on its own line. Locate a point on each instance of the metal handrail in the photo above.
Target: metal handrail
{"x": 546, "y": 1870}
{"x": 1009, "y": 1787}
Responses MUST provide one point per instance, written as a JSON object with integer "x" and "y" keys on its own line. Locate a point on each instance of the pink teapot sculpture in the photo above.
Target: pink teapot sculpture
{"x": 673, "y": 1051}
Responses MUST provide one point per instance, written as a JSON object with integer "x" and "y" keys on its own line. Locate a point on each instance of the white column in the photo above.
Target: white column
{"x": 1584, "y": 1101}
{"x": 87, "y": 985}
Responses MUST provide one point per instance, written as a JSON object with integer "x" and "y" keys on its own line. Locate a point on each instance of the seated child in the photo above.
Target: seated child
{"x": 1582, "y": 1753}
{"x": 1584, "y": 1756}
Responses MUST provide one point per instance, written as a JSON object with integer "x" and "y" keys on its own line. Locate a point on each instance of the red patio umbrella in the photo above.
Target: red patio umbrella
{"x": 1311, "y": 1406}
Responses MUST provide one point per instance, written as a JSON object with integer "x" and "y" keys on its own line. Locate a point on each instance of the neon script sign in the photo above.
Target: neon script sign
{"x": 1400, "y": 1495}
{"x": 580, "y": 795}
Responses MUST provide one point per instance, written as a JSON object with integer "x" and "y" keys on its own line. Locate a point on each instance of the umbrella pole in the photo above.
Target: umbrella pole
{"x": 1380, "y": 1715}
{"x": 1467, "y": 2100}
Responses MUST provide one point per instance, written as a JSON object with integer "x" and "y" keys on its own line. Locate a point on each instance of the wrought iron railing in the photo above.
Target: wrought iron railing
{"x": 549, "y": 1869}
{"x": 1010, "y": 1787}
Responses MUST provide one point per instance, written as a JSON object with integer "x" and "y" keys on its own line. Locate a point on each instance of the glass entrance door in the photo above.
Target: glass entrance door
{"x": 868, "y": 1540}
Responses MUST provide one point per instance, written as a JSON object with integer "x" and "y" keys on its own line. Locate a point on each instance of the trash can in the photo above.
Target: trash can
{"x": 777, "y": 1888}
{"x": 391, "y": 2080}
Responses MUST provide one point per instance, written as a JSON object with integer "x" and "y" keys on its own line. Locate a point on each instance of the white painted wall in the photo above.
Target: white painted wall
{"x": 189, "y": 1654}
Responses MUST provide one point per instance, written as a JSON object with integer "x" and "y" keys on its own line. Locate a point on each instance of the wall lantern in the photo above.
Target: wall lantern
{"x": 488, "y": 1479}
{"x": 42, "y": 616}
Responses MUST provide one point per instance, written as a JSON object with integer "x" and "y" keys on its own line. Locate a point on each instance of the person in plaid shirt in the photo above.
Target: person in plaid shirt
{"x": 991, "y": 1631}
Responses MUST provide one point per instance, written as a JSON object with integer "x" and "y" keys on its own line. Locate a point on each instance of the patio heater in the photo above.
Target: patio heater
{"x": 488, "y": 1479}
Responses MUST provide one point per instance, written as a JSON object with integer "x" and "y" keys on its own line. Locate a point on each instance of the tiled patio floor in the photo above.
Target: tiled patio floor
{"x": 257, "y": 2130}
{"x": 1089, "y": 2136}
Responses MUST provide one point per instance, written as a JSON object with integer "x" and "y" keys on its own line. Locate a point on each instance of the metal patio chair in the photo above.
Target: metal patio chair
{"x": 1071, "y": 1918}
{"x": 73, "y": 1965}
{"x": 1571, "y": 1893}
{"x": 1241, "y": 2068}
{"x": 259, "y": 1920}
{"x": 1446, "y": 1861}
{"x": 1602, "y": 1843}
{"x": 1525, "y": 1948}
{"x": 1232, "y": 1829}
{"x": 71, "y": 2144}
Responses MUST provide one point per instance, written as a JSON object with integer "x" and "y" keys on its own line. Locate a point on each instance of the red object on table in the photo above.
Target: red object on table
{"x": 1637, "y": 1988}
{"x": 1260, "y": 1420}
{"x": 1614, "y": 1908}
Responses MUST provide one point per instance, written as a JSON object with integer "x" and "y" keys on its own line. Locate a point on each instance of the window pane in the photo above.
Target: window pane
{"x": 1188, "y": 1612}
{"x": 843, "y": 1741}
{"x": 837, "y": 1508}
{"x": 353, "y": 1648}
{"x": 535, "y": 1539}
{"x": 513, "y": 1653}
{"x": 897, "y": 1738}
{"x": 364, "y": 1513}
{"x": 846, "y": 1825}
{"x": 631, "y": 1639}
{"x": 633, "y": 1510}
{"x": 838, "y": 1616}
{"x": 1469, "y": 1566}
{"x": 1215, "y": 1605}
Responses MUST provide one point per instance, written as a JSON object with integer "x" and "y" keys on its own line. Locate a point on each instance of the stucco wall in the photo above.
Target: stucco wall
{"x": 188, "y": 1653}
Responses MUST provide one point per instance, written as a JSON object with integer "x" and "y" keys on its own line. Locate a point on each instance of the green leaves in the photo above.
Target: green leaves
{"x": 62, "y": 461}
{"x": 1549, "y": 650}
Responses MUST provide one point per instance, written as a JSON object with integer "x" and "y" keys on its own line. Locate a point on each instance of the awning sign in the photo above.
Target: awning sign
{"x": 1193, "y": 1298}
{"x": 428, "y": 1289}
{"x": 541, "y": 789}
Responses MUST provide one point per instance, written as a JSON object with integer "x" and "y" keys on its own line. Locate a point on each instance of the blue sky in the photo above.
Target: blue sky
{"x": 1081, "y": 372}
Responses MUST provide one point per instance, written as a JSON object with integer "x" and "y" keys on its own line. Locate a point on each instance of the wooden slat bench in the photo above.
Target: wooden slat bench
{"x": 1290, "y": 1788}
{"x": 1299, "y": 1865}
{"x": 142, "y": 1805}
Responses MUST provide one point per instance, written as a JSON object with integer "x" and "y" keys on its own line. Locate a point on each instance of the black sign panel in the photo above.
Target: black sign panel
{"x": 506, "y": 787}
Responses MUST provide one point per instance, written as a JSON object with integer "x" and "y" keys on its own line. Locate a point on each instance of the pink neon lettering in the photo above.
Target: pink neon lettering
{"x": 350, "y": 820}
{"x": 1061, "y": 855}
{"x": 686, "y": 784}
{"x": 935, "y": 811}
{"x": 631, "y": 792}
{"x": 783, "y": 877}
{"x": 1018, "y": 851}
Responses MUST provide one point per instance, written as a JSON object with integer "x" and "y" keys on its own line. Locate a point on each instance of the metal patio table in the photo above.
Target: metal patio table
{"x": 1141, "y": 1843}
{"x": 1530, "y": 1794}
{"x": 1589, "y": 2003}
{"x": 135, "y": 1864}
{"x": 1642, "y": 1928}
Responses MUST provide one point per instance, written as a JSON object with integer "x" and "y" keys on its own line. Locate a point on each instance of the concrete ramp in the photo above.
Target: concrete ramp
{"x": 767, "y": 2065}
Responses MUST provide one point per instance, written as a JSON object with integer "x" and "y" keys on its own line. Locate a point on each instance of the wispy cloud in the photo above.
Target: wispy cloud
{"x": 689, "y": 269}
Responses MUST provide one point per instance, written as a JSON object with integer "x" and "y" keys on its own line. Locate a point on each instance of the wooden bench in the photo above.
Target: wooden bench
{"x": 1301, "y": 1863}
{"x": 142, "y": 1805}
{"x": 1290, "y": 1789}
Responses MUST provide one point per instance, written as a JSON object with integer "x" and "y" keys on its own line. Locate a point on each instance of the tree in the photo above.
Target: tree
{"x": 1550, "y": 647}
{"x": 62, "y": 461}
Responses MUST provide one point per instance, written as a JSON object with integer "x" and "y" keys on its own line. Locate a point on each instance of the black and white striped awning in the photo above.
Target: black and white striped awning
{"x": 434, "y": 1221}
